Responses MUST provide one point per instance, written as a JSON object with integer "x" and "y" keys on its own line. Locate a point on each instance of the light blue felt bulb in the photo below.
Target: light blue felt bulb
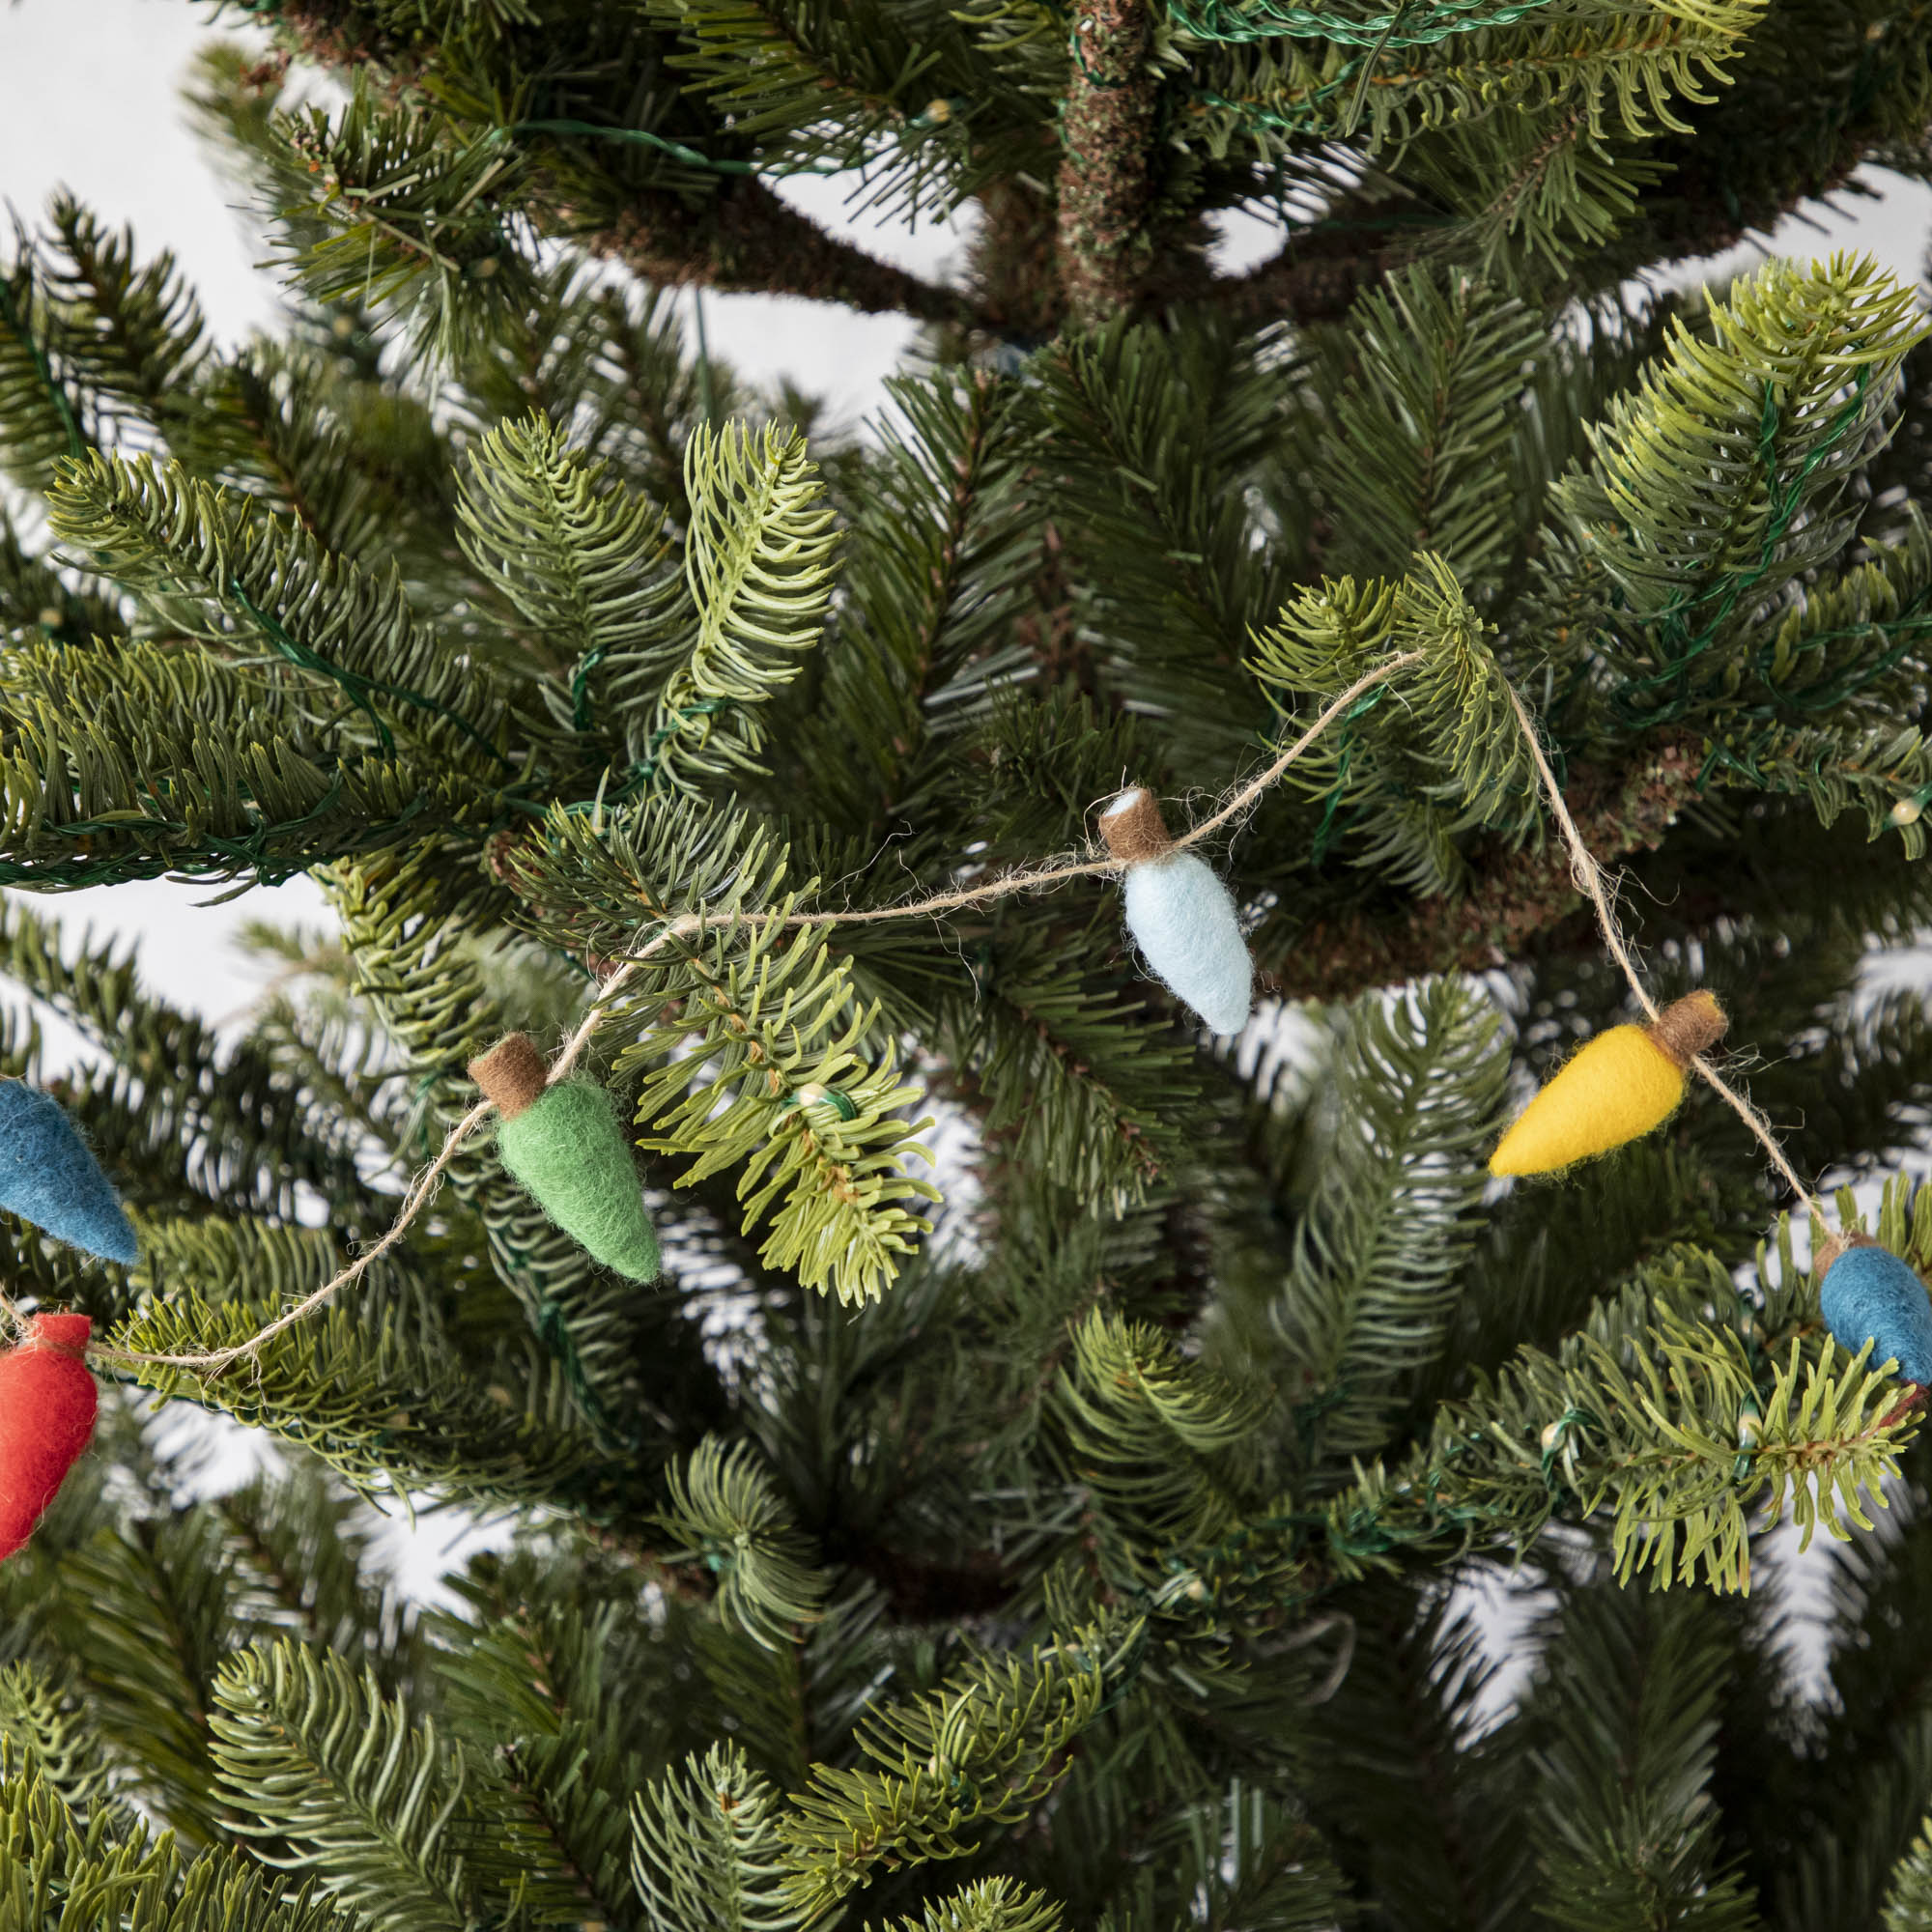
{"x": 1181, "y": 917}
{"x": 1870, "y": 1296}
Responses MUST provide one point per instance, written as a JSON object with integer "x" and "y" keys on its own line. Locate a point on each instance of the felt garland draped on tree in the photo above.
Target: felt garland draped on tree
{"x": 561, "y": 1140}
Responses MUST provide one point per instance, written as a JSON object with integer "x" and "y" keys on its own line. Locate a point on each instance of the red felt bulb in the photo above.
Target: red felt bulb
{"x": 47, "y": 1403}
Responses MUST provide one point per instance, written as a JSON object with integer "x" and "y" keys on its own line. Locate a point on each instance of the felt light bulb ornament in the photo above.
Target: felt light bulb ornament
{"x": 1617, "y": 1087}
{"x": 1868, "y": 1294}
{"x": 49, "y": 1176}
{"x": 47, "y": 1405}
{"x": 1182, "y": 918}
{"x": 563, "y": 1144}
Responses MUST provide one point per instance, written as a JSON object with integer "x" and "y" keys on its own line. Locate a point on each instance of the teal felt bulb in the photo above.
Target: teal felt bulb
{"x": 1869, "y": 1294}
{"x": 49, "y": 1176}
{"x": 1181, "y": 917}
{"x": 564, "y": 1145}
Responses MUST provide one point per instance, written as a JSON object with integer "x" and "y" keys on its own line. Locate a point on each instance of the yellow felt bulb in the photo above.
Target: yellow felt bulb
{"x": 1620, "y": 1085}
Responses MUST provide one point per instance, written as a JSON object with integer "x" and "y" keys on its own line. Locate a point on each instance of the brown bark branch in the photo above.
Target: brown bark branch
{"x": 746, "y": 239}
{"x": 1013, "y": 268}
{"x": 1315, "y": 278}
{"x": 1105, "y": 186}
{"x": 1520, "y": 895}
{"x": 742, "y": 239}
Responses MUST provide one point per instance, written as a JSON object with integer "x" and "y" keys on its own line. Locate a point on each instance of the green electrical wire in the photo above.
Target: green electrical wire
{"x": 677, "y": 150}
{"x": 1670, "y": 622}
{"x": 356, "y": 687}
{"x": 1239, "y": 22}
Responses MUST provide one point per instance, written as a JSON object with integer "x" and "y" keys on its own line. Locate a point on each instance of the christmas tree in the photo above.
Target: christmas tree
{"x": 1049, "y": 1483}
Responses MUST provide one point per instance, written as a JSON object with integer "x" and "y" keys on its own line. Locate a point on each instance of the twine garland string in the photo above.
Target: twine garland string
{"x": 1588, "y": 876}
{"x": 689, "y": 926}
{"x": 1585, "y": 870}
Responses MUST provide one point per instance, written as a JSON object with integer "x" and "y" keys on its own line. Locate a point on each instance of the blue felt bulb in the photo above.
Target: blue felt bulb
{"x": 1182, "y": 918}
{"x": 1870, "y": 1296}
{"x": 49, "y": 1176}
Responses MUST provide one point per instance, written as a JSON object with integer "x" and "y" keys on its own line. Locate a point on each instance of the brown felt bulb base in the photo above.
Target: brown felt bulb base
{"x": 1835, "y": 1245}
{"x": 1685, "y": 1027}
{"x": 512, "y": 1074}
{"x": 1133, "y": 827}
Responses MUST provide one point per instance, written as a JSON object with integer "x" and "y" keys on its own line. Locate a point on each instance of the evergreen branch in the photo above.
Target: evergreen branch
{"x": 819, "y": 1134}
{"x": 1643, "y": 1675}
{"x": 1510, "y": 901}
{"x": 374, "y": 1396}
{"x": 1235, "y": 22}
{"x": 1908, "y": 1904}
{"x": 708, "y": 1856}
{"x": 808, "y": 74}
{"x": 410, "y": 215}
{"x": 302, "y": 1547}
{"x": 53, "y": 1740}
{"x": 757, "y": 562}
{"x": 1415, "y": 1093}
{"x": 1614, "y": 70}
{"x": 57, "y": 1867}
{"x": 216, "y": 572}
{"x": 582, "y": 563}
{"x": 150, "y": 1653}
{"x": 389, "y": 1818}
{"x": 1073, "y": 1078}
{"x": 1412, "y": 777}
{"x": 1259, "y": 1862}
{"x": 133, "y": 760}
{"x": 1724, "y": 478}
{"x": 1424, "y": 419}
{"x": 985, "y": 1750}
{"x": 1152, "y": 444}
{"x": 1672, "y": 1427}
{"x": 41, "y": 409}
{"x": 1420, "y": 1810}
{"x": 286, "y": 422}
{"x": 935, "y": 575}
{"x": 1535, "y": 189}
{"x": 993, "y": 1905}
{"x": 1161, "y": 1443}
{"x": 133, "y": 337}
{"x": 582, "y": 1821}
{"x": 726, "y": 1511}
{"x": 734, "y": 233}
{"x": 801, "y": 1701}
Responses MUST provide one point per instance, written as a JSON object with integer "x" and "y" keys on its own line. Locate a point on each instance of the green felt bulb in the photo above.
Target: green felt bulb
{"x": 564, "y": 1144}
{"x": 569, "y": 1152}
